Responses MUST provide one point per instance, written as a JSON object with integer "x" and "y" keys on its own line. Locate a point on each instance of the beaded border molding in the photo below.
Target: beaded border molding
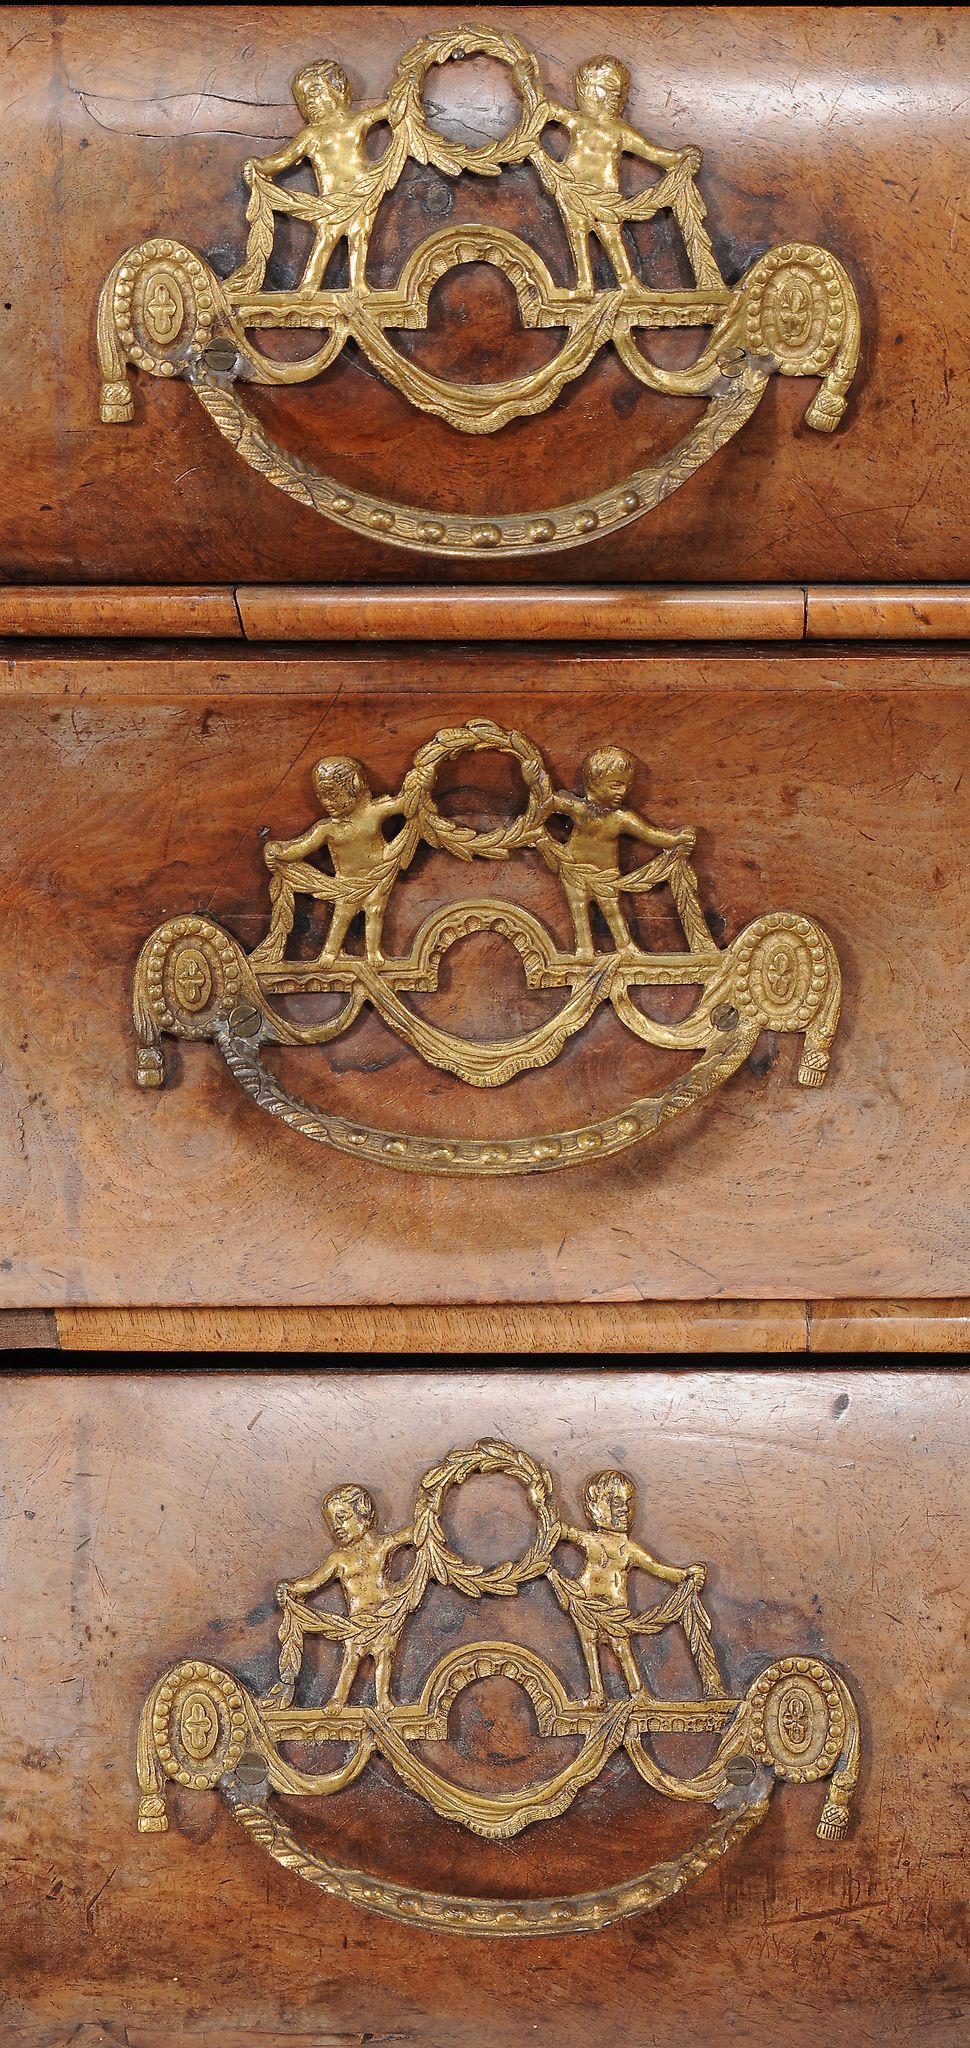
{"x": 203, "y": 1729}
{"x": 194, "y": 981}
{"x": 164, "y": 310}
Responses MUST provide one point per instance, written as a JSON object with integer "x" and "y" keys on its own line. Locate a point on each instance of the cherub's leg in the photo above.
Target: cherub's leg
{"x": 324, "y": 244}
{"x": 373, "y": 927}
{"x": 609, "y": 904}
{"x": 579, "y": 248}
{"x": 357, "y": 241}
{"x": 578, "y": 901}
{"x": 610, "y": 235}
{"x": 623, "y": 1651}
{"x": 382, "y": 1679}
{"x": 340, "y": 924}
{"x": 597, "y": 1693}
{"x": 348, "y": 1672}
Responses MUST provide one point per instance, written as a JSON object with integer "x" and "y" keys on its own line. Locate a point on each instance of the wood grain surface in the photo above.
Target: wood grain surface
{"x": 901, "y": 1326}
{"x": 621, "y": 1329}
{"x": 278, "y": 612}
{"x": 618, "y": 1329}
{"x": 113, "y": 610}
{"x": 29, "y": 1329}
{"x": 861, "y": 612}
{"x": 149, "y": 1516}
{"x": 817, "y": 782}
{"x": 653, "y": 613}
{"x": 817, "y": 124}
{"x": 612, "y": 1329}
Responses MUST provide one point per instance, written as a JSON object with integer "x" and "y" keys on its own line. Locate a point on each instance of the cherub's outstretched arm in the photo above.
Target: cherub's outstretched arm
{"x": 322, "y": 1577}
{"x": 284, "y": 159}
{"x": 566, "y": 805}
{"x": 633, "y": 144}
{"x": 654, "y": 835}
{"x": 561, "y": 117}
{"x": 399, "y": 1541}
{"x": 297, "y": 849}
{"x": 644, "y": 1561}
{"x": 549, "y": 168}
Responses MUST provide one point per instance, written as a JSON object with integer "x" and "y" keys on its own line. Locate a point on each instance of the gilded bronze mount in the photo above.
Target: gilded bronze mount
{"x": 164, "y": 310}
{"x": 204, "y": 1729}
{"x": 194, "y": 981}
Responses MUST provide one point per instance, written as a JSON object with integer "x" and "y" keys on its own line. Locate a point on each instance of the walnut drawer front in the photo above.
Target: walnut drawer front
{"x": 828, "y": 1510}
{"x": 144, "y": 149}
{"x": 820, "y": 784}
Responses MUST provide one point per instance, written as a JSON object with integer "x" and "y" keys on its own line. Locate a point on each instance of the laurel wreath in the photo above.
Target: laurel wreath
{"x": 478, "y": 736}
{"x": 405, "y": 106}
{"x": 445, "y": 1564}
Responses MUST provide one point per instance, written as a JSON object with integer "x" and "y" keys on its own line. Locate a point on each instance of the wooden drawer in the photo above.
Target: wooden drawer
{"x": 148, "y": 1521}
{"x": 119, "y": 138}
{"x": 141, "y": 789}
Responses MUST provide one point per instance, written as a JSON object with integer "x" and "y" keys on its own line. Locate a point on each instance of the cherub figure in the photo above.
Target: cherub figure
{"x": 598, "y": 1599}
{"x": 366, "y": 865}
{"x": 358, "y": 1563}
{"x": 350, "y": 185}
{"x": 586, "y": 184}
{"x": 589, "y": 864}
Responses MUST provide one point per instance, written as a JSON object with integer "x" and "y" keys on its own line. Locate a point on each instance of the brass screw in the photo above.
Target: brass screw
{"x": 725, "y": 1017}
{"x": 740, "y": 1770}
{"x": 221, "y": 357}
{"x": 244, "y": 1020}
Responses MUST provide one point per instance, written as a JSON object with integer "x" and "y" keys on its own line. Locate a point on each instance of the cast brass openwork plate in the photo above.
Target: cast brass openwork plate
{"x": 164, "y": 309}
{"x": 194, "y": 981}
{"x": 205, "y": 1729}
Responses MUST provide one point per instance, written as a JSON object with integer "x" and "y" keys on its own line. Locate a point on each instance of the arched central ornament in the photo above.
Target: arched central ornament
{"x": 204, "y": 1729}
{"x": 166, "y": 311}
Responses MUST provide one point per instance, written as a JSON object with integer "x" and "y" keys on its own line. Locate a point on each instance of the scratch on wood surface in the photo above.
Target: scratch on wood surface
{"x": 828, "y": 1912}
{"x": 93, "y": 1900}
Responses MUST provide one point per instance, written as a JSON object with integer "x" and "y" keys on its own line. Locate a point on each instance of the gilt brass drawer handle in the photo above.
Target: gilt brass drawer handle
{"x": 194, "y": 981}
{"x": 166, "y": 311}
{"x": 204, "y": 1728}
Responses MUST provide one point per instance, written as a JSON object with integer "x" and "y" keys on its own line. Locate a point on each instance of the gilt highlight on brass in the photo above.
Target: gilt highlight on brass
{"x": 194, "y": 981}
{"x": 164, "y": 309}
{"x": 205, "y": 1729}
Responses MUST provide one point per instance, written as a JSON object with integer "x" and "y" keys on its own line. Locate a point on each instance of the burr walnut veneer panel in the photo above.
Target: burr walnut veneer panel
{"x": 148, "y": 1518}
{"x": 817, "y": 125}
{"x": 138, "y": 787}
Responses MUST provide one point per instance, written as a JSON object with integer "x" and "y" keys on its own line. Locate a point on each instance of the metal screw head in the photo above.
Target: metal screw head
{"x": 740, "y": 1770}
{"x": 244, "y": 1020}
{"x": 251, "y": 1771}
{"x": 725, "y": 1017}
{"x": 220, "y": 357}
